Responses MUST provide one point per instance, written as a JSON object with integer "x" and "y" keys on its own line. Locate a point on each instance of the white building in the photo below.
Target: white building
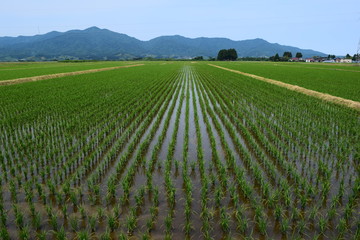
{"x": 344, "y": 60}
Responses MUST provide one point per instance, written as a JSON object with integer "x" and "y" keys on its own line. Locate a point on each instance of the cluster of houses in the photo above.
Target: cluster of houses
{"x": 325, "y": 59}
{"x": 322, "y": 59}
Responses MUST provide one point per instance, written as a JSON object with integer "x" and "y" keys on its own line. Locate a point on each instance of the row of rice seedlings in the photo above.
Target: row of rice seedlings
{"x": 19, "y": 181}
{"x": 57, "y": 159}
{"x": 57, "y": 196}
{"x": 127, "y": 181}
{"x": 260, "y": 218}
{"x": 129, "y": 120}
{"x": 269, "y": 165}
{"x": 169, "y": 184}
{"x": 156, "y": 150}
{"x": 321, "y": 224}
{"x": 220, "y": 168}
{"x": 303, "y": 202}
{"x": 313, "y": 140}
{"x": 204, "y": 215}
{"x": 108, "y": 135}
{"x": 112, "y": 153}
{"x": 274, "y": 197}
{"x": 222, "y": 172}
{"x": 187, "y": 184}
{"x": 54, "y": 222}
{"x": 303, "y": 197}
{"x": 219, "y": 194}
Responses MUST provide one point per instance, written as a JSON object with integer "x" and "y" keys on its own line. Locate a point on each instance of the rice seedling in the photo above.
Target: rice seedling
{"x": 60, "y": 234}
{"x": 42, "y": 235}
{"x": 122, "y": 236}
{"x": 284, "y": 225}
{"x": 24, "y": 233}
{"x": 100, "y": 213}
{"x": 92, "y": 223}
{"x": 4, "y": 234}
{"x": 168, "y": 224}
{"x": 130, "y": 223}
{"x": 112, "y": 223}
{"x": 83, "y": 235}
{"x": 53, "y": 221}
{"x": 106, "y": 235}
{"x": 224, "y": 221}
{"x": 82, "y": 211}
{"x": 74, "y": 223}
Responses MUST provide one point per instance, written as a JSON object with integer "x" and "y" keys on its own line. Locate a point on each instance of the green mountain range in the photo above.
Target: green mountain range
{"x": 102, "y": 44}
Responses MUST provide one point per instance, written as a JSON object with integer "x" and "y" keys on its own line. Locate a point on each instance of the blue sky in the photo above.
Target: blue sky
{"x": 327, "y": 26}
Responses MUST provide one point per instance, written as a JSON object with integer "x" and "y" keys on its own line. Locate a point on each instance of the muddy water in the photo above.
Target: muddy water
{"x": 234, "y": 149}
{"x": 219, "y": 149}
{"x": 168, "y": 137}
{"x": 204, "y": 135}
{"x": 142, "y": 138}
{"x": 180, "y": 135}
{"x": 192, "y": 130}
{"x": 159, "y": 131}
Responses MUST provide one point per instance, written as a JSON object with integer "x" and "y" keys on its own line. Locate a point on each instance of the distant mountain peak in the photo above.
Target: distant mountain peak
{"x": 96, "y": 43}
{"x": 94, "y": 28}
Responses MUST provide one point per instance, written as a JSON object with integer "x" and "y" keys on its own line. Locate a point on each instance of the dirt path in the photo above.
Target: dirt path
{"x": 320, "y": 95}
{"x": 57, "y": 75}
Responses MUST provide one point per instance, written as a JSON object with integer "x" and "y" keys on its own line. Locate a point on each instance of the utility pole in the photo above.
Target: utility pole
{"x": 357, "y": 53}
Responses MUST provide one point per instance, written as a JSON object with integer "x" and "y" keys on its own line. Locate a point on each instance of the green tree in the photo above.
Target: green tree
{"x": 227, "y": 54}
{"x": 232, "y": 54}
{"x": 222, "y": 55}
{"x": 287, "y": 55}
{"x": 277, "y": 58}
{"x": 198, "y": 58}
{"x": 348, "y": 56}
{"x": 356, "y": 57}
{"x": 299, "y": 55}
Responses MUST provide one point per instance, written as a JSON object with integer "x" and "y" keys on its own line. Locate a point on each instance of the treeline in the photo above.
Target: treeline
{"x": 285, "y": 58}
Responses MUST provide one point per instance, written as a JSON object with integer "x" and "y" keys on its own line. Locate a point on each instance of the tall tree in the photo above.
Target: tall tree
{"x": 277, "y": 58}
{"x": 299, "y": 55}
{"x": 227, "y": 54}
{"x": 222, "y": 55}
{"x": 232, "y": 54}
{"x": 287, "y": 55}
{"x": 356, "y": 57}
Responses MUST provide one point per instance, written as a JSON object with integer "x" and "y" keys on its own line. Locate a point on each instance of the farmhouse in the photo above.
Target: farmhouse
{"x": 345, "y": 60}
{"x": 295, "y": 59}
{"x": 329, "y": 61}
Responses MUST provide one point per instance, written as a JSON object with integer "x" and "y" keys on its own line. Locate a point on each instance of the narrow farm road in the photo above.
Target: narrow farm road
{"x": 58, "y": 75}
{"x": 320, "y": 95}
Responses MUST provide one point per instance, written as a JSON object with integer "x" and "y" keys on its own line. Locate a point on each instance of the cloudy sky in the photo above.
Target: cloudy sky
{"x": 330, "y": 26}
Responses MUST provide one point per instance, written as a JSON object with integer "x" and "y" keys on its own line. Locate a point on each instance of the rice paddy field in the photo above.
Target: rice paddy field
{"x": 179, "y": 150}
{"x": 10, "y": 71}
